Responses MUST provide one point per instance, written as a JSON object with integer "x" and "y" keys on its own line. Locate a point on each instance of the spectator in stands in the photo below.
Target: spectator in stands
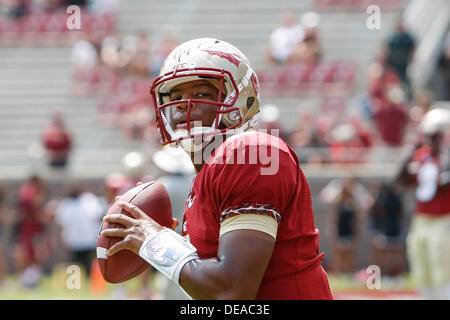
{"x": 84, "y": 56}
{"x": 379, "y": 78}
{"x": 110, "y": 51}
{"x": 308, "y": 50}
{"x": 346, "y": 146}
{"x": 399, "y": 53}
{"x": 348, "y": 200}
{"x": 283, "y": 39}
{"x": 117, "y": 52}
{"x": 311, "y": 134}
{"x": 385, "y": 220}
{"x": 57, "y": 141}
{"x": 79, "y": 216}
{"x": 14, "y": 9}
{"x": 391, "y": 117}
{"x": 321, "y": 139}
{"x": 363, "y": 131}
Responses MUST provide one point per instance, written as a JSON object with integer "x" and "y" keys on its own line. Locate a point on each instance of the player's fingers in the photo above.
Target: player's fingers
{"x": 113, "y": 233}
{"x": 119, "y": 246}
{"x": 117, "y": 198}
{"x": 119, "y": 218}
{"x": 132, "y": 209}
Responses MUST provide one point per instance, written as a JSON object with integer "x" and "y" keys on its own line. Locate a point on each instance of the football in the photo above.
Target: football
{"x": 153, "y": 199}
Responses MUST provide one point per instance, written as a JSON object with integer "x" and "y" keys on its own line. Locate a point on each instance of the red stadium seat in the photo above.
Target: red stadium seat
{"x": 295, "y": 75}
{"x": 322, "y": 73}
{"x": 9, "y": 25}
{"x": 269, "y": 78}
{"x": 86, "y": 22}
{"x": 345, "y": 72}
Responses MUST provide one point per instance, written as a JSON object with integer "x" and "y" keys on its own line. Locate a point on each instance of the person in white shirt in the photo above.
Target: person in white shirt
{"x": 79, "y": 216}
{"x": 284, "y": 38}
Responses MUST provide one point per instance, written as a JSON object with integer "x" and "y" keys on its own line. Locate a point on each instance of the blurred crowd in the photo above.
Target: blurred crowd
{"x": 293, "y": 42}
{"x": 331, "y": 130}
{"x": 45, "y": 227}
{"x": 118, "y": 70}
{"x": 15, "y": 9}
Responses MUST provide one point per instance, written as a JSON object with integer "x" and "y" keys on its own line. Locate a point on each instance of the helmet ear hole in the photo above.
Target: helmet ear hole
{"x": 250, "y": 101}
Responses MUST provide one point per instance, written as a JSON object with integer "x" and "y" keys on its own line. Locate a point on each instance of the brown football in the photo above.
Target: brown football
{"x": 153, "y": 199}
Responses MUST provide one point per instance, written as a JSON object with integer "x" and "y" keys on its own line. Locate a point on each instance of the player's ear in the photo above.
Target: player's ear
{"x": 174, "y": 223}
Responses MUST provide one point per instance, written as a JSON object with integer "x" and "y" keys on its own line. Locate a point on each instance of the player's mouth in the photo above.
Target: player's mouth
{"x": 184, "y": 124}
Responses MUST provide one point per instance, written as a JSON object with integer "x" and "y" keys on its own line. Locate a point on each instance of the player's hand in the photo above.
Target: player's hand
{"x": 175, "y": 222}
{"x": 136, "y": 230}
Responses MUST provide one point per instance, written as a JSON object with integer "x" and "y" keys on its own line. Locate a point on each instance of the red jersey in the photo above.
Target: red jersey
{"x": 56, "y": 139}
{"x": 234, "y": 181}
{"x": 391, "y": 122}
{"x": 440, "y": 204}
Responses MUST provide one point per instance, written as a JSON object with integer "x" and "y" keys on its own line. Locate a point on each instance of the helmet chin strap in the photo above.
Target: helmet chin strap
{"x": 193, "y": 144}
{"x": 199, "y": 143}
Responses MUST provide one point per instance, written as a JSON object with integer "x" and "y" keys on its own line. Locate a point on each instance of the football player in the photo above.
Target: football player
{"x": 428, "y": 242}
{"x": 248, "y": 227}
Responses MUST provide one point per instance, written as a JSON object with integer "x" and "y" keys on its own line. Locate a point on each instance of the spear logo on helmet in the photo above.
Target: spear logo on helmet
{"x": 233, "y": 58}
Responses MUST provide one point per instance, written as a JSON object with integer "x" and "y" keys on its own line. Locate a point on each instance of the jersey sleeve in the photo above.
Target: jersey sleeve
{"x": 249, "y": 188}
{"x": 257, "y": 222}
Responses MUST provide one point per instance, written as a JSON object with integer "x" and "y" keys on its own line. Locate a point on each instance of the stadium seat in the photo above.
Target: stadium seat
{"x": 322, "y": 73}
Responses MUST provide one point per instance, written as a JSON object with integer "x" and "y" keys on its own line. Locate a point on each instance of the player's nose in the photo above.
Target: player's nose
{"x": 184, "y": 106}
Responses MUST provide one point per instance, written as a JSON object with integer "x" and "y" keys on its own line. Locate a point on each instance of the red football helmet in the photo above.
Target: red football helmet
{"x": 227, "y": 69}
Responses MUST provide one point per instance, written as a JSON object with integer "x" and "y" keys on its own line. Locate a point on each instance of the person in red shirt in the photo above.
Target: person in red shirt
{"x": 248, "y": 227}
{"x": 391, "y": 117}
{"x": 57, "y": 141}
{"x": 31, "y": 197}
{"x": 428, "y": 241}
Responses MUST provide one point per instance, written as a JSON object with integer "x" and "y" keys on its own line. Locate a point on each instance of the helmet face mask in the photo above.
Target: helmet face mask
{"x": 219, "y": 63}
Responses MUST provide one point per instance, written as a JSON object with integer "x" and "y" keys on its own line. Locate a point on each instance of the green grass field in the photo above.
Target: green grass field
{"x": 54, "y": 288}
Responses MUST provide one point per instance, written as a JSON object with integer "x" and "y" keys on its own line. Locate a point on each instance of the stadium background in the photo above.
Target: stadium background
{"x": 37, "y": 75}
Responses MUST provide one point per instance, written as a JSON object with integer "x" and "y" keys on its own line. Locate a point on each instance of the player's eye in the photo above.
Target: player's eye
{"x": 175, "y": 97}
